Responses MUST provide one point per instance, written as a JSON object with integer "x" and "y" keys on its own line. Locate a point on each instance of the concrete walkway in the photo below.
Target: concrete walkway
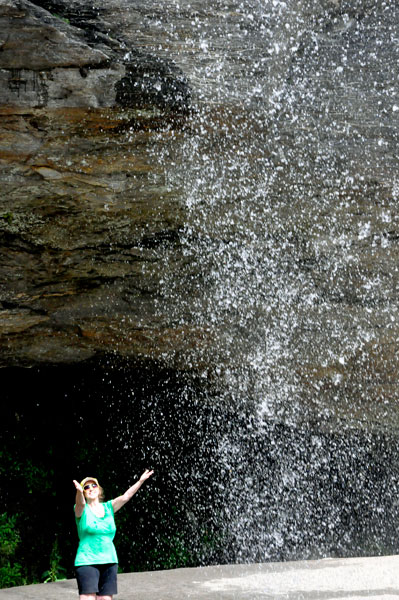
{"x": 329, "y": 579}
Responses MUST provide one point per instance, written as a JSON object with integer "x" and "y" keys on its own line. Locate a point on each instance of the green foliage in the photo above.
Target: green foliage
{"x": 55, "y": 571}
{"x": 11, "y": 573}
{"x": 61, "y": 17}
{"x": 9, "y": 536}
{"x": 171, "y": 553}
{"x": 36, "y": 477}
{"x": 22, "y": 548}
{"x": 7, "y": 217}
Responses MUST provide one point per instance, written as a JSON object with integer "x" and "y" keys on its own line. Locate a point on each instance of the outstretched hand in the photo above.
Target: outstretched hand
{"x": 147, "y": 473}
{"x": 120, "y": 501}
{"x": 78, "y": 486}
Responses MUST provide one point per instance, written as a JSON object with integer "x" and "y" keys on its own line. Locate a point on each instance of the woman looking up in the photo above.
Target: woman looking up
{"x": 96, "y": 562}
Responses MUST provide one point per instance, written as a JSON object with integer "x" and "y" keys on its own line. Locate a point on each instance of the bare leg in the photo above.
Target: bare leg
{"x": 104, "y": 597}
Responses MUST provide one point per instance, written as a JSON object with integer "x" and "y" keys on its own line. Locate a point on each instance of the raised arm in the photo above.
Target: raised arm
{"x": 80, "y": 501}
{"x": 120, "y": 501}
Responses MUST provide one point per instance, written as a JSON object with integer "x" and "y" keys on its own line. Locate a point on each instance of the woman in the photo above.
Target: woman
{"x": 96, "y": 562}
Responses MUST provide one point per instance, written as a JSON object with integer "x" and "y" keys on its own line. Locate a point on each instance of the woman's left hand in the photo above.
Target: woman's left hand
{"x": 120, "y": 501}
{"x": 147, "y": 473}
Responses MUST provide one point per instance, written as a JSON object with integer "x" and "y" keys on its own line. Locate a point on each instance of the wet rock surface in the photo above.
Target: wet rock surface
{"x": 358, "y": 578}
{"x": 264, "y": 219}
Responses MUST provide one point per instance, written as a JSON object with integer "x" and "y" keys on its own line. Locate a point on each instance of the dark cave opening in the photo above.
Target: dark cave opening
{"x": 66, "y": 422}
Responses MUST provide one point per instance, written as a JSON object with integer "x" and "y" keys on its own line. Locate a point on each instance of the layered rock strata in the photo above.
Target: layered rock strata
{"x": 262, "y": 224}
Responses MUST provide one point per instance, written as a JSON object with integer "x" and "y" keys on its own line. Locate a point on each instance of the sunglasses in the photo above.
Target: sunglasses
{"x": 90, "y": 485}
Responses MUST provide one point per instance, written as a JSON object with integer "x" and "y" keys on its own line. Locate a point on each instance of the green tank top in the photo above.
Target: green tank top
{"x": 96, "y": 534}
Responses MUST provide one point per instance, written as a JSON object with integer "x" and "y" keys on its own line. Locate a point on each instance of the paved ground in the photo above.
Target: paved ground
{"x": 329, "y": 579}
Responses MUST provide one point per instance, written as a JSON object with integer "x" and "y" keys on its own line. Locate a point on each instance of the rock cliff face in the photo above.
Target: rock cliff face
{"x": 66, "y": 159}
{"x": 194, "y": 184}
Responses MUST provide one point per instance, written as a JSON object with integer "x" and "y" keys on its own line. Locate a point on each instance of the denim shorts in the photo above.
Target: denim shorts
{"x": 97, "y": 579}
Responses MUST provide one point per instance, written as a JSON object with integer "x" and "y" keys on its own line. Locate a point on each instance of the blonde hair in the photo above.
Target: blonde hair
{"x": 101, "y": 495}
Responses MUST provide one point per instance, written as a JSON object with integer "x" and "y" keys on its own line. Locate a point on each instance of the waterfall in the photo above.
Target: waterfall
{"x": 199, "y": 240}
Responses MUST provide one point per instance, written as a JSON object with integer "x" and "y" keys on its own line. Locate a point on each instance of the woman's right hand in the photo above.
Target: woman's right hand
{"x": 78, "y": 486}
{"x": 80, "y": 499}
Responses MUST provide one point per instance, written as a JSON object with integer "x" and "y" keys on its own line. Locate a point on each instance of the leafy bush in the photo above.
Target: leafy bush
{"x": 55, "y": 572}
{"x": 172, "y": 553}
{"x": 11, "y": 575}
{"x": 11, "y": 572}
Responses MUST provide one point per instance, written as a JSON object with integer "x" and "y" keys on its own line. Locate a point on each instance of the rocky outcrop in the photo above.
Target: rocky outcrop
{"x": 79, "y": 235}
{"x": 33, "y": 39}
{"x": 47, "y": 62}
{"x": 44, "y": 62}
{"x": 62, "y": 86}
{"x": 266, "y": 216}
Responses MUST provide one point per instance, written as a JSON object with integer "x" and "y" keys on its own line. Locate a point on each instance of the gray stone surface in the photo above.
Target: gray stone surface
{"x": 329, "y": 579}
{"x": 32, "y": 38}
{"x": 55, "y": 87}
{"x": 48, "y": 62}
